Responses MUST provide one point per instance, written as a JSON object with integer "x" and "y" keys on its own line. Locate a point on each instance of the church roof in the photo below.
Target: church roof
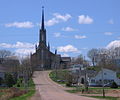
{"x": 66, "y": 59}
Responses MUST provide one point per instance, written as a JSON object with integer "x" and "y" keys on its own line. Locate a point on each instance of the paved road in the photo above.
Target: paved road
{"x": 49, "y": 90}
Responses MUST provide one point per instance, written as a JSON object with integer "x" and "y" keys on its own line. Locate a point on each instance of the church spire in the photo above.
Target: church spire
{"x": 42, "y": 37}
{"x": 48, "y": 46}
{"x": 42, "y": 26}
{"x": 56, "y": 52}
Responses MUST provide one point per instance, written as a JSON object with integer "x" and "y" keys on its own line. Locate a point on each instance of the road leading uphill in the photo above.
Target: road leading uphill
{"x": 49, "y": 90}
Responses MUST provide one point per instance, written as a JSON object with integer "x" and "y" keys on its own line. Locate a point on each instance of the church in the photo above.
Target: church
{"x": 43, "y": 58}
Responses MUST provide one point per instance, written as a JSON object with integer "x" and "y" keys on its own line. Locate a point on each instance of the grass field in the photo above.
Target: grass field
{"x": 59, "y": 76}
{"x": 105, "y": 98}
{"x": 18, "y": 93}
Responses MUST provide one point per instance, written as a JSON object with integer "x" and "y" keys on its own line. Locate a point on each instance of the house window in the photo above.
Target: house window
{"x": 105, "y": 73}
{"x": 92, "y": 81}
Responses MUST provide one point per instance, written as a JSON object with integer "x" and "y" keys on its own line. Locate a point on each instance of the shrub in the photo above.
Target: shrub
{"x": 9, "y": 80}
{"x": 114, "y": 85}
{"x": 69, "y": 84}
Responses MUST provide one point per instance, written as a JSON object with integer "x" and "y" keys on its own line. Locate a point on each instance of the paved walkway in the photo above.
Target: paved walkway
{"x": 49, "y": 90}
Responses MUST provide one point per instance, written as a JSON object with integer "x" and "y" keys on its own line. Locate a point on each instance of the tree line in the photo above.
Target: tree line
{"x": 15, "y": 69}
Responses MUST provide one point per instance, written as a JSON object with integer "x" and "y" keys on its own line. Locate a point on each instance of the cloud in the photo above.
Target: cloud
{"x": 113, "y": 44}
{"x": 82, "y": 19}
{"x": 108, "y": 33}
{"x": 111, "y": 21}
{"x": 17, "y": 45}
{"x": 69, "y": 29}
{"x": 57, "y": 19}
{"x": 62, "y": 17}
{"x": 57, "y": 34}
{"x": 65, "y": 55}
{"x": 24, "y": 52}
{"x": 51, "y": 22}
{"x": 67, "y": 48}
{"x": 26, "y": 24}
{"x": 21, "y": 48}
{"x": 80, "y": 36}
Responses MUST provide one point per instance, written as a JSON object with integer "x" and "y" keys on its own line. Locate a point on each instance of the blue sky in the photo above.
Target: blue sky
{"x": 73, "y": 26}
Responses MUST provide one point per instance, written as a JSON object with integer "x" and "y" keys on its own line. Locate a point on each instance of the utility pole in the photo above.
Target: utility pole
{"x": 103, "y": 83}
{"x": 85, "y": 70}
{"x": 103, "y": 64}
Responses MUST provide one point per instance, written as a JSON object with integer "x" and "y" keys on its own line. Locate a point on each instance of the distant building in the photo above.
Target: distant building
{"x": 75, "y": 69}
{"x": 94, "y": 78}
{"x": 43, "y": 58}
{"x": 65, "y": 62}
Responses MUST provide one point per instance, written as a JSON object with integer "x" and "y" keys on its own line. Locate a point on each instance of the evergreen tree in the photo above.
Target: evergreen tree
{"x": 9, "y": 80}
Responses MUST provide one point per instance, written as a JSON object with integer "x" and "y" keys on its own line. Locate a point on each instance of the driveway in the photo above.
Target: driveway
{"x": 49, "y": 90}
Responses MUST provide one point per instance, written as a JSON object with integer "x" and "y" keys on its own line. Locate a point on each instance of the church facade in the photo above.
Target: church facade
{"x": 43, "y": 58}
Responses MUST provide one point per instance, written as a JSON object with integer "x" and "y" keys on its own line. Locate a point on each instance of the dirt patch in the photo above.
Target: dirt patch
{"x": 11, "y": 92}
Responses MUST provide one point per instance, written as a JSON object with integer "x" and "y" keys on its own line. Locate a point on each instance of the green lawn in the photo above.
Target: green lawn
{"x": 106, "y": 98}
{"x": 1, "y": 93}
{"x": 59, "y": 75}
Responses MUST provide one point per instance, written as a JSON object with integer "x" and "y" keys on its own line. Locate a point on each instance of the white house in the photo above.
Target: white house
{"x": 94, "y": 78}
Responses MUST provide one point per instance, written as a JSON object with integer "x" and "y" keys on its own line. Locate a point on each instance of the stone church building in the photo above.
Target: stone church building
{"x": 43, "y": 58}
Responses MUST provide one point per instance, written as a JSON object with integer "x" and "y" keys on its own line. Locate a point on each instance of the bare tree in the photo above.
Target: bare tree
{"x": 4, "y": 54}
{"x": 93, "y": 55}
{"x": 78, "y": 60}
{"x": 26, "y": 70}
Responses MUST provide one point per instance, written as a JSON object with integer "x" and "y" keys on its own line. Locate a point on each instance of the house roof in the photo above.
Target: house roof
{"x": 4, "y": 69}
{"x": 93, "y": 73}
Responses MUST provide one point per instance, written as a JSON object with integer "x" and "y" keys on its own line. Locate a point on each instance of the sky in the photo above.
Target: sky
{"x": 73, "y": 26}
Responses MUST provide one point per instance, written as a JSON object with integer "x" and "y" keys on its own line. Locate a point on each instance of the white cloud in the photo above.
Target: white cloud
{"x": 24, "y": 52}
{"x": 67, "y": 48}
{"x": 17, "y": 45}
{"x": 26, "y": 24}
{"x": 80, "y": 36}
{"x": 57, "y": 34}
{"x": 62, "y": 17}
{"x": 108, "y": 33}
{"x": 82, "y": 19}
{"x": 51, "y": 22}
{"x": 111, "y": 21}
{"x": 113, "y": 44}
{"x": 21, "y": 48}
{"x": 65, "y": 55}
{"x": 69, "y": 29}
{"x": 57, "y": 19}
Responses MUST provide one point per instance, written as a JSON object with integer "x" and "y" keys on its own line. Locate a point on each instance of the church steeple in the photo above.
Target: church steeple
{"x": 42, "y": 26}
{"x": 56, "y": 52}
{"x": 48, "y": 46}
{"x": 42, "y": 38}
